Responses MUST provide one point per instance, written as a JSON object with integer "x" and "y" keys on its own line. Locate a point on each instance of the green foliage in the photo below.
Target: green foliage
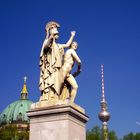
{"x": 129, "y": 136}
{"x": 11, "y": 132}
{"x": 94, "y": 134}
{"x": 137, "y": 136}
{"x": 23, "y": 135}
{"x": 112, "y": 135}
{"x": 8, "y": 132}
{"x": 132, "y": 136}
{"x": 97, "y": 134}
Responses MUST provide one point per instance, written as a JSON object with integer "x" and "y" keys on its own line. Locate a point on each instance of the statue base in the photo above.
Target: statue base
{"x": 57, "y": 122}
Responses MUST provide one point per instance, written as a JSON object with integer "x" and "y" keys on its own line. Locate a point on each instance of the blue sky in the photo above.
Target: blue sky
{"x": 108, "y": 32}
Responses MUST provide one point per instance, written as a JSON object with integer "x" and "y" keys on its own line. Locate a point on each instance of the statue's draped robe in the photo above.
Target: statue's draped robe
{"x": 50, "y": 64}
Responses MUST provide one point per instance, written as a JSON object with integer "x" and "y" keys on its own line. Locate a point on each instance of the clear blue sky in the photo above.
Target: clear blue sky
{"x": 108, "y": 32}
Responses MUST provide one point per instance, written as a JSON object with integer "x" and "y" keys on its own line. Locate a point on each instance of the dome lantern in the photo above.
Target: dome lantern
{"x": 24, "y": 92}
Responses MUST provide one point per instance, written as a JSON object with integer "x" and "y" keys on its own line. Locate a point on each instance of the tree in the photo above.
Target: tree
{"x": 11, "y": 132}
{"x": 137, "y": 136}
{"x": 96, "y": 134}
{"x": 112, "y": 135}
{"x": 8, "y": 132}
{"x": 129, "y": 136}
{"x": 132, "y": 136}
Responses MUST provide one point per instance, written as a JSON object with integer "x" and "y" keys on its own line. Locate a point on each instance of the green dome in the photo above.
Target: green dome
{"x": 16, "y": 112}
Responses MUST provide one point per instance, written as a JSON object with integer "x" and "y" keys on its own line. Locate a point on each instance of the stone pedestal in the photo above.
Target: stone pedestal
{"x": 59, "y": 122}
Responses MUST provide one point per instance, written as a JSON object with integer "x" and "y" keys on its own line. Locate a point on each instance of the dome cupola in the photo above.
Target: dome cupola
{"x": 16, "y": 111}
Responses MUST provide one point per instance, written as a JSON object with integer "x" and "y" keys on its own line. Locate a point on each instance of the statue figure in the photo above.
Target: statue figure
{"x": 51, "y": 57}
{"x": 70, "y": 58}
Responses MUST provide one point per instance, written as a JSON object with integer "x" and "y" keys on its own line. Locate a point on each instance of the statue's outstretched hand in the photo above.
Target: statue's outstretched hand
{"x": 73, "y": 33}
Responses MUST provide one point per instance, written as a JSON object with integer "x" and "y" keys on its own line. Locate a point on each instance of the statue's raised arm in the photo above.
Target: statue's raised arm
{"x": 67, "y": 45}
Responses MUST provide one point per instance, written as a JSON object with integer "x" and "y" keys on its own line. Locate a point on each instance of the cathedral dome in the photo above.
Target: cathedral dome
{"x": 16, "y": 111}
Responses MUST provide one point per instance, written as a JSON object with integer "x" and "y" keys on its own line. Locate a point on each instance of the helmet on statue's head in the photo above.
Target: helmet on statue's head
{"x": 51, "y": 28}
{"x": 52, "y": 24}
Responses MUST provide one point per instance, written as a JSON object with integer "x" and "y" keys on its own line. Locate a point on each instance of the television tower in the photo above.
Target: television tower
{"x": 104, "y": 115}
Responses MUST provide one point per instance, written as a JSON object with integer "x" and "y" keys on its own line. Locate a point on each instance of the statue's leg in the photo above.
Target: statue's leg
{"x": 64, "y": 93}
{"x": 71, "y": 80}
